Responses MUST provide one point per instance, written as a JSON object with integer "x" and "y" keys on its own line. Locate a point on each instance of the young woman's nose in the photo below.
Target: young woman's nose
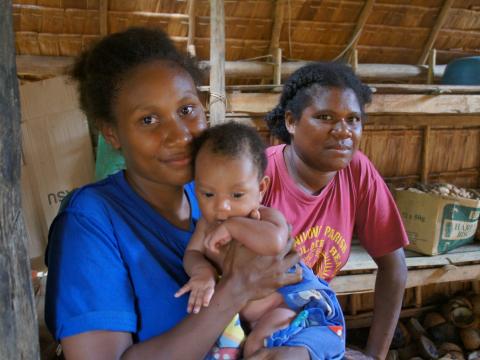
{"x": 341, "y": 129}
{"x": 178, "y": 133}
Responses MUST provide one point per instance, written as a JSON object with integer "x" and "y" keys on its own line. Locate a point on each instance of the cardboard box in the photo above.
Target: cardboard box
{"x": 57, "y": 153}
{"x": 437, "y": 224}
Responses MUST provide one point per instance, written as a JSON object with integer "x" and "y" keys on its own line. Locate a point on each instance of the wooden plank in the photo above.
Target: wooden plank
{"x": 365, "y": 319}
{"x": 424, "y": 89}
{"x": 103, "y": 17}
{"x": 425, "y": 104}
{"x": 431, "y": 89}
{"x": 425, "y": 154}
{"x": 447, "y": 4}
{"x": 358, "y": 283}
{"x": 18, "y": 321}
{"x": 420, "y": 120}
{"x": 261, "y": 103}
{"x": 42, "y": 66}
{"x": 360, "y": 260}
{"x": 191, "y": 28}
{"x": 217, "y": 59}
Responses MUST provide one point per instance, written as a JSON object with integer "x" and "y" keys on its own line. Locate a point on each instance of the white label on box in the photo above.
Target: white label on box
{"x": 458, "y": 230}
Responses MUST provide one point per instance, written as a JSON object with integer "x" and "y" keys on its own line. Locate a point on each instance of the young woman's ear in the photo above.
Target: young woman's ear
{"x": 289, "y": 122}
{"x": 109, "y": 132}
{"x": 264, "y": 183}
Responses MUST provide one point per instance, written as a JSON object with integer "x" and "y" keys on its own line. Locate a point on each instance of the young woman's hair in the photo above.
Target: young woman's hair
{"x": 233, "y": 140}
{"x": 304, "y": 84}
{"x": 101, "y": 69}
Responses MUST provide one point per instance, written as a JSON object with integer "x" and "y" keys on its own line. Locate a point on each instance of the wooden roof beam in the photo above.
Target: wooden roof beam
{"x": 48, "y": 66}
{"x": 362, "y": 20}
{"x": 447, "y": 4}
{"x": 277, "y": 25}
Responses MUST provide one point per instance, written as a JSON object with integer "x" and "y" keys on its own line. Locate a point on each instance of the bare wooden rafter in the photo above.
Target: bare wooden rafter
{"x": 277, "y": 25}
{"x": 447, "y": 4}
{"x": 362, "y": 20}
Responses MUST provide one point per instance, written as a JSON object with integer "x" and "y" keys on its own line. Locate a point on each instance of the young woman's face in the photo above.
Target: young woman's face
{"x": 158, "y": 113}
{"x": 329, "y": 130}
{"x": 227, "y": 186}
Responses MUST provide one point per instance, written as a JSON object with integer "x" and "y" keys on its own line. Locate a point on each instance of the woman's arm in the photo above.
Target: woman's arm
{"x": 247, "y": 276}
{"x": 267, "y": 236}
{"x": 389, "y": 289}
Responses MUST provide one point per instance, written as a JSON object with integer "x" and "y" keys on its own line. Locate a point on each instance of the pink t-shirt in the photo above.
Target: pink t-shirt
{"x": 323, "y": 225}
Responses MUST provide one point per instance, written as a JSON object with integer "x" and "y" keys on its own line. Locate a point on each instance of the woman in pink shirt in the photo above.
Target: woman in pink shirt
{"x": 329, "y": 191}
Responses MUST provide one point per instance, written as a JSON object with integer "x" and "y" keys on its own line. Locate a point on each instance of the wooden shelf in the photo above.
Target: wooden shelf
{"x": 358, "y": 275}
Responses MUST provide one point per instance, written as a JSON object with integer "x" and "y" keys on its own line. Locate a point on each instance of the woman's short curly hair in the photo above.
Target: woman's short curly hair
{"x": 101, "y": 69}
{"x": 303, "y": 85}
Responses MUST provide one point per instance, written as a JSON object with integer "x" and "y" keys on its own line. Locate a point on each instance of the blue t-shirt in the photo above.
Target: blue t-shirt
{"x": 115, "y": 263}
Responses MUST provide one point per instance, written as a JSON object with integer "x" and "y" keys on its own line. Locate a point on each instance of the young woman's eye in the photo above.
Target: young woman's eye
{"x": 148, "y": 120}
{"x": 208, "y": 194}
{"x": 237, "y": 195}
{"x": 186, "y": 110}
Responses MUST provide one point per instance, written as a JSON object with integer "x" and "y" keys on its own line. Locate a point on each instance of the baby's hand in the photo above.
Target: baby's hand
{"x": 216, "y": 238}
{"x": 201, "y": 288}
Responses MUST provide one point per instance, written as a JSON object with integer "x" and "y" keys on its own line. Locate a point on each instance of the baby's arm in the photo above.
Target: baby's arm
{"x": 202, "y": 273}
{"x": 265, "y": 236}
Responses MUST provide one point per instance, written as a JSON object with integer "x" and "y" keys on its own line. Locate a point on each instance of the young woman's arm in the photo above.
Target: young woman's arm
{"x": 247, "y": 276}
{"x": 267, "y": 236}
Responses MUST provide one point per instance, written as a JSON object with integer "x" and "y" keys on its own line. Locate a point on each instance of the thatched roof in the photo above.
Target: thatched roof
{"x": 382, "y": 31}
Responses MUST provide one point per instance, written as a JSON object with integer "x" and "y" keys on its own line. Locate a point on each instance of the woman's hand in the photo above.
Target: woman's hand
{"x": 281, "y": 353}
{"x": 351, "y": 354}
{"x": 254, "y": 276}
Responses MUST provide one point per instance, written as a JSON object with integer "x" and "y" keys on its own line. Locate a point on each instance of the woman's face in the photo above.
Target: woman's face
{"x": 158, "y": 113}
{"x": 329, "y": 130}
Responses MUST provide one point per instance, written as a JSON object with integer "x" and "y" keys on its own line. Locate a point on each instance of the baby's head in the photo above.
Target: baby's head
{"x": 229, "y": 171}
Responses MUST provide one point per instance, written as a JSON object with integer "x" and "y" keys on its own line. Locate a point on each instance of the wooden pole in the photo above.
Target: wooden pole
{"x": 425, "y": 154}
{"x": 432, "y": 62}
{"x": 191, "y": 28}
{"x": 48, "y": 66}
{"x": 18, "y": 322}
{"x": 277, "y": 25}
{"x": 362, "y": 20}
{"x": 103, "y": 16}
{"x": 447, "y": 4}
{"x": 277, "y": 67}
{"x": 217, "y": 62}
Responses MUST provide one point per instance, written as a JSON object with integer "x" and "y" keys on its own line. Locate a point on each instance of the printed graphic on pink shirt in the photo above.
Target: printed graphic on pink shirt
{"x": 322, "y": 248}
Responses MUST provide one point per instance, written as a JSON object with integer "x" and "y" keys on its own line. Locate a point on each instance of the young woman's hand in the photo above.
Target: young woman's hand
{"x": 201, "y": 288}
{"x": 254, "y": 276}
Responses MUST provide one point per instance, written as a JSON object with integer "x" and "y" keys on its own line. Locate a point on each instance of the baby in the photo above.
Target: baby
{"x": 229, "y": 180}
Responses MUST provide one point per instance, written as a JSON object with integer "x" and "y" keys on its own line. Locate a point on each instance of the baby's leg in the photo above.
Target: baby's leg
{"x": 272, "y": 321}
